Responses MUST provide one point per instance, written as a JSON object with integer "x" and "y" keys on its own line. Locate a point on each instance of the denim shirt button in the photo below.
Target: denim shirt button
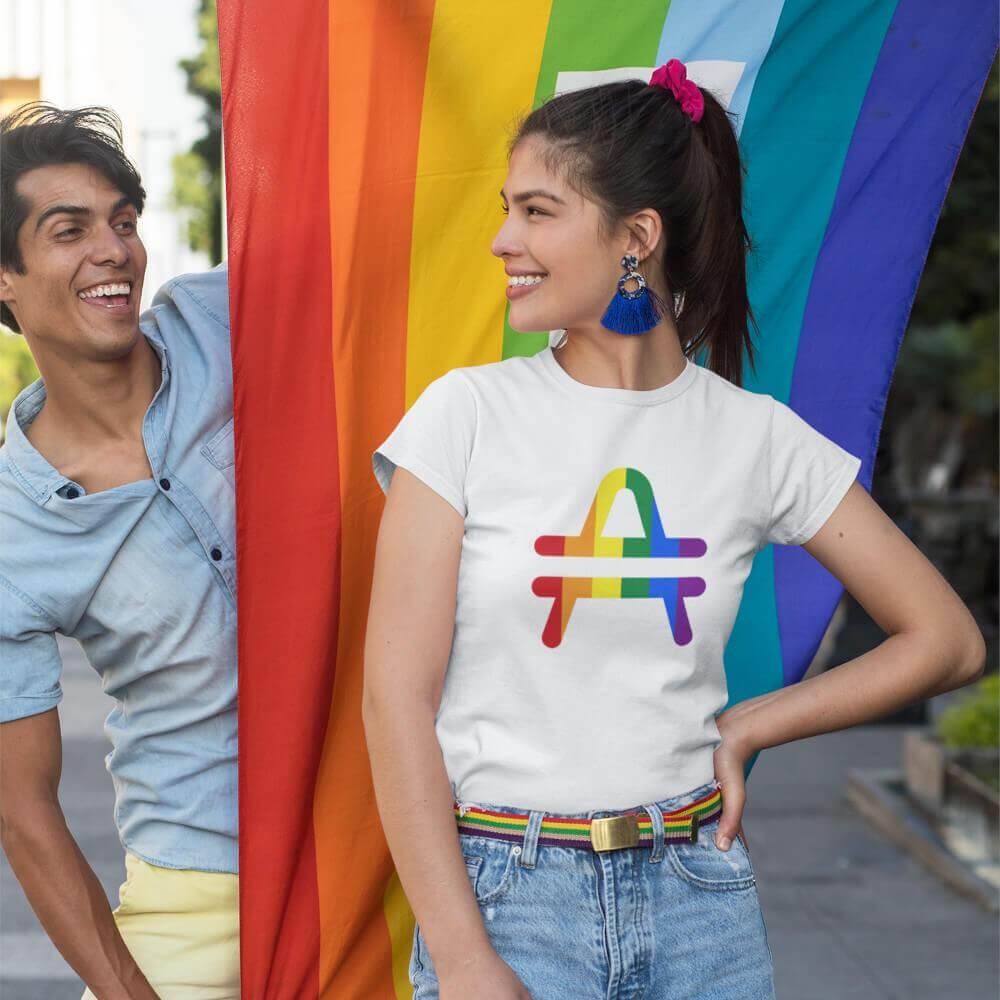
{"x": 216, "y": 554}
{"x": 165, "y": 484}
{"x": 72, "y": 493}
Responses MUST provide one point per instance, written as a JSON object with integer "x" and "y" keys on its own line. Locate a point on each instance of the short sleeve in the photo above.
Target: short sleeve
{"x": 809, "y": 476}
{"x": 434, "y": 440}
{"x": 30, "y": 664}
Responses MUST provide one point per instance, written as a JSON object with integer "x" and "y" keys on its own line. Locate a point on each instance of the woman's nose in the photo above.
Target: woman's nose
{"x": 503, "y": 242}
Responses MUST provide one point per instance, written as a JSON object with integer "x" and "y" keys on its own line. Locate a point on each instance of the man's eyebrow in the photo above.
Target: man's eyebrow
{"x": 121, "y": 203}
{"x": 60, "y": 210}
{"x": 523, "y": 196}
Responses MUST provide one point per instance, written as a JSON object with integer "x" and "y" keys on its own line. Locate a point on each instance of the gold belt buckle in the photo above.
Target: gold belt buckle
{"x": 611, "y": 833}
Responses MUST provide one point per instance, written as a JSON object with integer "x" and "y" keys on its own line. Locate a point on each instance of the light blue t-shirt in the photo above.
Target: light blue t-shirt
{"x": 144, "y": 576}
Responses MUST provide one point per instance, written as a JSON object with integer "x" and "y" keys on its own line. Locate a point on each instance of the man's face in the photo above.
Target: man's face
{"x": 78, "y": 298}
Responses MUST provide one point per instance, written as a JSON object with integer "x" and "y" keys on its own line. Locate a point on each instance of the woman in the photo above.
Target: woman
{"x": 559, "y": 565}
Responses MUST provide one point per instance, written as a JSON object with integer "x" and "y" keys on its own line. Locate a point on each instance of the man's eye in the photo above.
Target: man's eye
{"x": 68, "y": 232}
{"x": 129, "y": 225}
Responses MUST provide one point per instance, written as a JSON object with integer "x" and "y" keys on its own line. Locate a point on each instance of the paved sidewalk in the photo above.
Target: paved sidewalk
{"x": 849, "y": 917}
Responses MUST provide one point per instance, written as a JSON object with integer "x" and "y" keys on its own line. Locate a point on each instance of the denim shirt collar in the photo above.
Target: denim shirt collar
{"x": 36, "y": 476}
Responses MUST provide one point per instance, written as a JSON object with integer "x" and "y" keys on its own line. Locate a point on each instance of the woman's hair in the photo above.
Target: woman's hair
{"x": 40, "y": 135}
{"x": 629, "y": 146}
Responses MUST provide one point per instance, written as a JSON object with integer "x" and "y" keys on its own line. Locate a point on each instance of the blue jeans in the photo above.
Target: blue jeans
{"x": 667, "y": 922}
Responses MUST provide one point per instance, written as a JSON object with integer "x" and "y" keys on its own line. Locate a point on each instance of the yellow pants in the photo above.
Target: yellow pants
{"x": 183, "y": 929}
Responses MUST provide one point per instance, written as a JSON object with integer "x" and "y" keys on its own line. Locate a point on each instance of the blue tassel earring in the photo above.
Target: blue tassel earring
{"x": 631, "y": 311}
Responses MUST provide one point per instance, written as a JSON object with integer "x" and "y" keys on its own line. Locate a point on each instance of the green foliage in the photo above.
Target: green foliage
{"x": 17, "y": 369}
{"x": 193, "y": 194}
{"x": 954, "y": 361}
{"x": 197, "y": 189}
{"x": 974, "y": 719}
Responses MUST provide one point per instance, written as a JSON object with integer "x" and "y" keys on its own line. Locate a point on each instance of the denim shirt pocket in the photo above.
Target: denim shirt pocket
{"x": 220, "y": 448}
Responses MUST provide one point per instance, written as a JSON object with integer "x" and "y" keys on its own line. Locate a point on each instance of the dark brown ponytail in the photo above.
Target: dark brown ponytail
{"x": 629, "y": 146}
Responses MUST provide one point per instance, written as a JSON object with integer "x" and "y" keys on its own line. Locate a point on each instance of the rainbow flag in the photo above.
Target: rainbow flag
{"x": 364, "y": 155}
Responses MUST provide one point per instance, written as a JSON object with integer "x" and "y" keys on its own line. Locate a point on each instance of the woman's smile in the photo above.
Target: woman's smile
{"x": 520, "y": 285}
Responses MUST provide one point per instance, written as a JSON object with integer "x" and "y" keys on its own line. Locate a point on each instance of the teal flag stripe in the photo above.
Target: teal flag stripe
{"x": 795, "y": 138}
{"x": 796, "y": 134}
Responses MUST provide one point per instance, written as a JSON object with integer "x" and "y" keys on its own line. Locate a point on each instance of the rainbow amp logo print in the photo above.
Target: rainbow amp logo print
{"x": 565, "y": 591}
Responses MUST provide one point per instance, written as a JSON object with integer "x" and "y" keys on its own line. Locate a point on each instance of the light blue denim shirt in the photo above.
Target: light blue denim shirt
{"x": 144, "y": 576}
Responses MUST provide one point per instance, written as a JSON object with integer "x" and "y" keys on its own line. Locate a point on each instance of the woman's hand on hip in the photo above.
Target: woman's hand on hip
{"x": 729, "y": 759}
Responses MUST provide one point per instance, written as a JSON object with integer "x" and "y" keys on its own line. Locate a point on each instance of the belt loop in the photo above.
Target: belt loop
{"x": 529, "y": 846}
{"x": 656, "y": 815}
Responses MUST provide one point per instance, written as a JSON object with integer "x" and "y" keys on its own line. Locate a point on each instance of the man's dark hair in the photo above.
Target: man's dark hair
{"x": 40, "y": 135}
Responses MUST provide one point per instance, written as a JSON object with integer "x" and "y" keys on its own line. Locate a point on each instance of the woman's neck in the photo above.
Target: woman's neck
{"x": 600, "y": 357}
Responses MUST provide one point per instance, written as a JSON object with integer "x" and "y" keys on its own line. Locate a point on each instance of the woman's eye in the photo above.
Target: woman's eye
{"x": 529, "y": 210}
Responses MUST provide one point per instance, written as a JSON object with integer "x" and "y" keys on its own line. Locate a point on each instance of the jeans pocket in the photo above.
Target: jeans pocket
{"x": 705, "y": 866}
{"x": 492, "y": 865}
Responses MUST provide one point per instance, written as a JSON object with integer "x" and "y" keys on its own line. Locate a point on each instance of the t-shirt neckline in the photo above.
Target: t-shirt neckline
{"x": 610, "y": 394}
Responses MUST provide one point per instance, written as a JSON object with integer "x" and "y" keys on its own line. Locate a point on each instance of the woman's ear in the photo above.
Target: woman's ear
{"x": 645, "y": 232}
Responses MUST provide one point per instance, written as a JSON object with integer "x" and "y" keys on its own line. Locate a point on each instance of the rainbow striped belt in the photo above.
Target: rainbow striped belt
{"x": 633, "y": 828}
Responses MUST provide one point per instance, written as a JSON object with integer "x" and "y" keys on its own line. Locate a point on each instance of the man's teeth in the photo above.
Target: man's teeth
{"x": 525, "y": 279}
{"x": 122, "y": 288}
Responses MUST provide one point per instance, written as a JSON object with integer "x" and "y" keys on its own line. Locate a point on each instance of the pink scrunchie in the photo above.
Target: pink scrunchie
{"x": 673, "y": 76}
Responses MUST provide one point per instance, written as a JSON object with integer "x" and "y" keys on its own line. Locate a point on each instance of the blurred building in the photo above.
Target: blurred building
{"x": 122, "y": 54}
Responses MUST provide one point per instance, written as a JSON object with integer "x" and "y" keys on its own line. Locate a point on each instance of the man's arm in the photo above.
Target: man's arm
{"x": 61, "y": 887}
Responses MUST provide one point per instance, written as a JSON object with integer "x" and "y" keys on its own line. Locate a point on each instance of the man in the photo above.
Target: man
{"x": 117, "y": 528}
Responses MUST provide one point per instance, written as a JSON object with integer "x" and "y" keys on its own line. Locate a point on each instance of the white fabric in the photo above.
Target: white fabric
{"x": 619, "y": 708}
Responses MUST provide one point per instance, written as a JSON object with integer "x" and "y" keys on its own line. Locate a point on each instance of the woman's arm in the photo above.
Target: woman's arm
{"x": 933, "y": 643}
{"x": 410, "y": 624}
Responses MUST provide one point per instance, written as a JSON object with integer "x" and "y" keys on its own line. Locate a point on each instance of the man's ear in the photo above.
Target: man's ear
{"x": 7, "y": 297}
{"x": 6, "y": 291}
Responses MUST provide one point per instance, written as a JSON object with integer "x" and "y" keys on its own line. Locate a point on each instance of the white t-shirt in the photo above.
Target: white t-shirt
{"x": 608, "y": 535}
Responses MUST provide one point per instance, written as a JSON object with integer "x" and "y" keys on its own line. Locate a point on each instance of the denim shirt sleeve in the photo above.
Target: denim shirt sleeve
{"x": 208, "y": 289}
{"x": 29, "y": 658}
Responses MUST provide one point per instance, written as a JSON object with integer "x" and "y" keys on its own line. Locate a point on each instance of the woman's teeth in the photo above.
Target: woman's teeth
{"x": 525, "y": 279}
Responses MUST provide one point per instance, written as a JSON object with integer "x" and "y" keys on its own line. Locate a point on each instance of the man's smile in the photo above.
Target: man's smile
{"x": 110, "y": 296}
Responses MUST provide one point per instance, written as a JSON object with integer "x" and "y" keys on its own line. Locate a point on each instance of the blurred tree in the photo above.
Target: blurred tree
{"x": 198, "y": 173}
{"x": 17, "y": 369}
